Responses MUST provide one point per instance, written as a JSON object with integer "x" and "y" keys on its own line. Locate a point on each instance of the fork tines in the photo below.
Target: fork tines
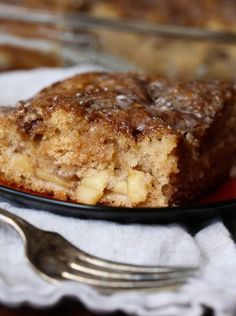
{"x": 106, "y": 274}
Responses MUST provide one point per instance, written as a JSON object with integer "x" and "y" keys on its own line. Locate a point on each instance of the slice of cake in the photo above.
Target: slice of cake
{"x": 120, "y": 140}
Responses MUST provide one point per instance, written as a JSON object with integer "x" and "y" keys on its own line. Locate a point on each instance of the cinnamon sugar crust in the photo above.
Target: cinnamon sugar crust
{"x": 131, "y": 103}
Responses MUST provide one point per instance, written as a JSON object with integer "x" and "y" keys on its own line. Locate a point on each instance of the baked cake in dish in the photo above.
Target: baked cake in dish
{"x": 215, "y": 14}
{"x": 16, "y": 58}
{"x": 175, "y": 58}
{"x": 25, "y": 45}
{"x": 53, "y": 5}
{"x": 120, "y": 140}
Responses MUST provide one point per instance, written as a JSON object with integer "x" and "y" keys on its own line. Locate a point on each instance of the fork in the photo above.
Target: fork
{"x": 56, "y": 259}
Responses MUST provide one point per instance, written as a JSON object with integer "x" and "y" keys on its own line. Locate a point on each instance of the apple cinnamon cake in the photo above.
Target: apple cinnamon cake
{"x": 120, "y": 140}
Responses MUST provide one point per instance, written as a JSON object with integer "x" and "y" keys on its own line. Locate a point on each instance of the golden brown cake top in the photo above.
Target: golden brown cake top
{"x": 131, "y": 104}
{"x": 179, "y": 12}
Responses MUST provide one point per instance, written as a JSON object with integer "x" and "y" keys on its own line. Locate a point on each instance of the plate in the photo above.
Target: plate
{"x": 221, "y": 199}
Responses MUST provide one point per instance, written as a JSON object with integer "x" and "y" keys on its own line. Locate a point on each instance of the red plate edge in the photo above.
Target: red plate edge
{"x": 226, "y": 191}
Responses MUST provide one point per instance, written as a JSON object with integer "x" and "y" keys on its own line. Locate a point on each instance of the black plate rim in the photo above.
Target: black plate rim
{"x": 124, "y": 211}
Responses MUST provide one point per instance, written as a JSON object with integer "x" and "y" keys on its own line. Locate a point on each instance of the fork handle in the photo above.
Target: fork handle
{"x": 15, "y": 221}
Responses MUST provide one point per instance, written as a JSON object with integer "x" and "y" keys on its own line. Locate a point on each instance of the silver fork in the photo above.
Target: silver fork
{"x": 55, "y": 258}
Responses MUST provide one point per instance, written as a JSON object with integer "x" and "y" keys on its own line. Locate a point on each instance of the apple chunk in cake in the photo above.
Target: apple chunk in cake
{"x": 120, "y": 140}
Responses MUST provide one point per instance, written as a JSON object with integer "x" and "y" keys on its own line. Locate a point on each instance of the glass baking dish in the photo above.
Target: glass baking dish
{"x": 29, "y": 41}
{"x": 73, "y": 37}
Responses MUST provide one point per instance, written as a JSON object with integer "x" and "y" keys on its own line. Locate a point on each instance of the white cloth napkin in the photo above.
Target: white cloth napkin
{"x": 212, "y": 248}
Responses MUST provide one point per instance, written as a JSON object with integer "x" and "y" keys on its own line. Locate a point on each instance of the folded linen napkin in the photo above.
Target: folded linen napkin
{"x": 212, "y": 247}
